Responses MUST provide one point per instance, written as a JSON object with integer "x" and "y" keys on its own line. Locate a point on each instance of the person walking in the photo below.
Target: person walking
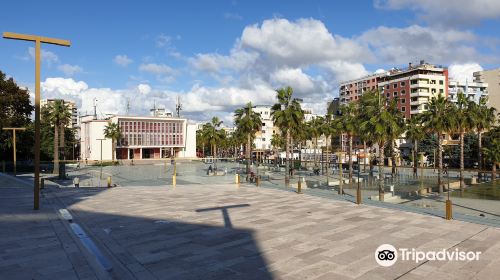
{"x": 76, "y": 182}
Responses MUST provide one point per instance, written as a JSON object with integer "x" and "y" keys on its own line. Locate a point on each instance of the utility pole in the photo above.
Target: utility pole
{"x": 178, "y": 107}
{"x": 14, "y": 143}
{"x": 100, "y": 176}
{"x": 38, "y": 42}
{"x": 95, "y": 108}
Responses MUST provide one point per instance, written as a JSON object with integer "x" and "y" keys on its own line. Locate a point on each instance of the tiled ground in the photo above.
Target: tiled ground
{"x": 256, "y": 233}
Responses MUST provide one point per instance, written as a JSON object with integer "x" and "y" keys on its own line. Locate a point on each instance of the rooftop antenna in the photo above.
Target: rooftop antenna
{"x": 178, "y": 106}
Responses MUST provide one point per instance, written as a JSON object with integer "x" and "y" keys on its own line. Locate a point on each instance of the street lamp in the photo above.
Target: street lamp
{"x": 38, "y": 41}
{"x": 100, "y": 176}
{"x": 14, "y": 143}
{"x": 358, "y": 191}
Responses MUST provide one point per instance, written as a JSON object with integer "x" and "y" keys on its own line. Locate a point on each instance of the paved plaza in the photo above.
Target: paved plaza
{"x": 222, "y": 231}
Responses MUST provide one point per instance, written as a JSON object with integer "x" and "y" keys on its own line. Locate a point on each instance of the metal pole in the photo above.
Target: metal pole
{"x": 358, "y": 192}
{"x": 14, "y": 151}
{"x": 36, "y": 190}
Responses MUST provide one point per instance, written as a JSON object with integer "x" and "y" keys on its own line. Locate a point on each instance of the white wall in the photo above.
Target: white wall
{"x": 189, "y": 150}
{"x": 96, "y": 131}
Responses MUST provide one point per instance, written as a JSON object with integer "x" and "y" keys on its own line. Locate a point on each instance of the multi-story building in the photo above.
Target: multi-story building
{"x": 142, "y": 138}
{"x": 492, "y": 78}
{"x": 263, "y": 138}
{"x": 353, "y": 89}
{"x": 415, "y": 86}
{"x": 72, "y": 107}
{"x": 473, "y": 90}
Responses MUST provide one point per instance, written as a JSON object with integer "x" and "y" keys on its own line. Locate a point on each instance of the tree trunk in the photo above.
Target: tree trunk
{"x": 440, "y": 162}
{"x": 113, "y": 149}
{"x": 393, "y": 159}
{"x": 350, "y": 158}
{"x": 494, "y": 172}
{"x": 381, "y": 171}
{"x": 315, "y": 151}
{"x": 462, "y": 183}
{"x": 248, "y": 153}
{"x": 414, "y": 155}
{"x": 327, "y": 159}
{"x": 62, "y": 154}
{"x": 480, "y": 154}
{"x": 56, "y": 149}
{"x": 364, "y": 158}
{"x": 287, "y": 156}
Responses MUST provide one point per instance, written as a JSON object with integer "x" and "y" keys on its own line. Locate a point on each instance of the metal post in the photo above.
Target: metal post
{"x": 358, "y": 191}
{"x": 38, "y": 40}
{"x": 14, "y": 157}
{"x": 299, "y": 185}
{"x": 109, "y": 181}
{"x": 100, "y": 175}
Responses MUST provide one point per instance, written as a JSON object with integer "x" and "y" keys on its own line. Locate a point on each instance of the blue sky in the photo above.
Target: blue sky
{"x": 218, "y": 55}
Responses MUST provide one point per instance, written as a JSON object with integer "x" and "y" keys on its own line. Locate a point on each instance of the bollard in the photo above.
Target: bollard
{"x": 257, "y": 181}
{"x": 42, "y": 183}
{"x": 449, "y": 214}
{"x": 358, "y": 196}
{"x": 174, "y": 180}
{"x": 299, "y": 186}
{"x": 109, "y": 181}
{"x": 237, "y": 178}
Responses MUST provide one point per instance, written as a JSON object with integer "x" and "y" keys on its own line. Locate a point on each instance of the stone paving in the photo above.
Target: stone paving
{"x": 221, "y": 231}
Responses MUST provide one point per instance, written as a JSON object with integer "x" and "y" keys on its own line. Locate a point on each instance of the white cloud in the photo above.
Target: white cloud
{"x": 413, "y": 43}
{"x": 163, "y": 72}
{"x": 306, "y": 41}
{"x": 162, "y": 40}
{"x": 122, "y": 60}
{"x": 446, "y": 12}
{"x": 63, "y": 86}
{"x": 295, "y": 78}
{"x": 463, "y": 72}
{"x": 46, "y": 56}
{"x": 144, "y": 88}
{"x": 212, "y": 62}
{"x": 70, "y": 70}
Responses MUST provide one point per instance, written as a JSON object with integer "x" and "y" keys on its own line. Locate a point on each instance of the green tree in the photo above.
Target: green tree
{"x": 348, "y": 123}
{"x": 58, "y": 116}
{"x": 248, "y": 123}
{"x": 277, "y": 141}
{"x": 288, "y": 116}
{"x": 439, "y": 120}
{"x": 315, "y": 130}
{"x": 414, "y": 132}
{"x": 464, "y": 122}
{"x": 213, "y": 134}
{"x": 15, "y": 111}
{"x": 484, "y": 119}
{"x": 112, "y": 131}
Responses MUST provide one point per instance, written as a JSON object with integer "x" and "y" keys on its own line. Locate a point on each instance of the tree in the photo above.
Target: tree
{"x": 439, "y": 119}
{"x": 277, "y": 141}
{"x": 315, "y": 129}
{"x": 414, "y": 132}
{"x": 213, "y": 133}
{"x": 395, "y": 127}
{"x": 287, "y": 115}
{"x": 347, "y": 123}
{"x": 484, "y": 119}
{"x": 492, "y": 151}
{"x": 464, "y": 122}
{"x": 112, "y": 131}
{"x": 248, "y": 123}
{"x": 15, "y": 111}
{"x": 58, "y": 116}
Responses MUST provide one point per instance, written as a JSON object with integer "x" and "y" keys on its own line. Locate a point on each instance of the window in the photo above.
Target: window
{"x": 263, "y": 131}
{"x": 395, "y": 85}
{"x": 263, "y": 124}
{"x": 441, "y": 82}
{"x": 441, "y": 91}
{"x": 388, "y": 94}
{"x": 403, "y": 101}
{"x": 403, "y": 109}
{"x": 387, "y": 87}
{"x": 395, "y": 94}
{"x": 403, "y": 92}
{"x": 403, "y": 84}
{"x": 263, "y": 139}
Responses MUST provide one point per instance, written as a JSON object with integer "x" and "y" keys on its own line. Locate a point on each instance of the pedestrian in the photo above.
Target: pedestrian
{"x": 209, "y": 169}
{"x": 76, "y": 182}
{"x": 290, "y": 171}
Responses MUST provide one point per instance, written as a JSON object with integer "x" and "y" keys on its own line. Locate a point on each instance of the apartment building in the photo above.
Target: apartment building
{"x": 72, "y": 107}
{"x": 263, "y": 138}
{"x": 492, "y": 78}
{"x": 353, "y": 89}
{"x": 473, "y": 90}
{"x": 415, "y": 86}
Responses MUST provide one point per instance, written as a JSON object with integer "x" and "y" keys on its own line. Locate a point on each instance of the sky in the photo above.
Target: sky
{"x": 218, "y": 55}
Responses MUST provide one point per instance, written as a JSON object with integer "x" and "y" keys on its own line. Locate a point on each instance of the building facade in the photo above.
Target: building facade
{"x": 492, "y": 78}
{"x": 71, "y": 106}
{"x": 142, "y": 138}
{"x": 263, "y": 138}
{"x": 474, "y": 91}
{"x": 352, "y": 90}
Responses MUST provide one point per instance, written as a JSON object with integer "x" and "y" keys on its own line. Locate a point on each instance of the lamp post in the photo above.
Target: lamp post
{"x": 38, "y": 41}
{"x": 14, "y": 143}
{"x": 358, "y": 190}
{"x": 100, "y": 176}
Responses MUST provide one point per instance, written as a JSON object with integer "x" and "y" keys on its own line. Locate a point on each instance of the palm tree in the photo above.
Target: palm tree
{"x": 213, "y": 134}
{"x": 492, "y": 153}
{"x": 315, "y": 129}
{"x": 347, "y": 123}
{"x": 328, "y": 130}
{"x": 248, "y": 123}
{"x": 414, "y": 132}
{"x": 464, "y": 121}
{"x": 58, "y": 115}
{"x": 484, "y": 119}
{"x": 287, "y": 116}
{"x": 439, "y": 119}
{"x": 112, "y": 131}
{"x": 384, "y": 123}
{"x": 277, "y": 141}
{"x": 395, "y": 127}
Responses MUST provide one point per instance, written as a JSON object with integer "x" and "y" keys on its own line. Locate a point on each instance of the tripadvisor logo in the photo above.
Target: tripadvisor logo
{"x": 387, "y": 255}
